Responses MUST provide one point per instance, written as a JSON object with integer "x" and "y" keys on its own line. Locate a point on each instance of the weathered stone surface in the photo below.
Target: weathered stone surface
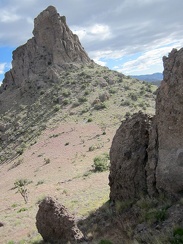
{"x": 128, "y": 157}
{"x": 53, "y": 49}
{"x": 55, "y": 224}
{"x": 169, "y": 117}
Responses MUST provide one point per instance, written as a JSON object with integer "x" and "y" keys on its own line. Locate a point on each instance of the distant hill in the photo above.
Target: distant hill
{"x": 155, "y": 78}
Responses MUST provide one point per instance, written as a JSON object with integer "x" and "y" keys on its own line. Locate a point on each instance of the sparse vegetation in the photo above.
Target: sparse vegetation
{"x": 101, "y": 163}
{"x": 47, "y": 160}
{"x": 21, "y": 186}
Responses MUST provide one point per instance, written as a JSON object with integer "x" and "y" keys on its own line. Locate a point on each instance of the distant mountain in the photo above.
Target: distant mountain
{"x": 155, "y": 78}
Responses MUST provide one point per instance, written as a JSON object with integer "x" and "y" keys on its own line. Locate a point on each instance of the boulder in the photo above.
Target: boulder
{"x": 128, "y": 156}
{"x": 55, "y": 224}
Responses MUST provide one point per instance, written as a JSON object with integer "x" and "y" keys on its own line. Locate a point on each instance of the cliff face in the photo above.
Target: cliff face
{"x": 169, "y": 117}
{"x": 53, "y": 49}
{"x": 159, "y": 166}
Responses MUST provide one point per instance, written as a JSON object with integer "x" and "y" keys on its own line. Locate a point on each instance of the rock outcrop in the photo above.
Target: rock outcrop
{"x": 169, "y": 117}
{"x": 53, "y": 49}
{"x": 129, "y": 157}
{"x": 55, "y": 224}
{"x": 147, "y": 155}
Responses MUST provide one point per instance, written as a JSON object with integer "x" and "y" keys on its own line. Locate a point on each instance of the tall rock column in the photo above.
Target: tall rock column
{"x": 169, "y": 119}
{"x": 52, "y": 49}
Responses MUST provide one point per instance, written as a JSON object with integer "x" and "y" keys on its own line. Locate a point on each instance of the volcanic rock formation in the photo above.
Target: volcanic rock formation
{"x": 53, "y": 49}
{"x": 147, "y": 155}
{"x": 55, "y": 224}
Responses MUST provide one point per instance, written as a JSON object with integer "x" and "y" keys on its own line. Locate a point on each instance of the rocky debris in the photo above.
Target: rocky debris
{"x": 147, "y": 155}
{"x": 52, "y": 49}
{"x": 128, "y": 157}
{"x": 55, "y": 224}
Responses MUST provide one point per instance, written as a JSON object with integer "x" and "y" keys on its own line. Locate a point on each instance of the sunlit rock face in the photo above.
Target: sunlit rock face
{"x": 52, "y": 49}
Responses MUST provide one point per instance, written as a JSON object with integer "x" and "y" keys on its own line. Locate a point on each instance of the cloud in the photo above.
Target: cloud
{"x": 107, "y": 29}
{"x": 2, "y": 68}
{"x": 146, "y": 61}
{"x": 8, "y": 17}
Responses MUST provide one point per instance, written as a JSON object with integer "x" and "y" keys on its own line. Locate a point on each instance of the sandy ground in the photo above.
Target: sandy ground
{"x": 57, "y": 165}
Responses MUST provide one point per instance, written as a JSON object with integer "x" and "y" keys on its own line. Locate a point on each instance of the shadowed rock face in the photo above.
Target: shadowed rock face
{"x": 148, "y": 155}
{"x": 128, "y": 158}
{"x": 52, "y": 49}
{"x": 55, "y": 224}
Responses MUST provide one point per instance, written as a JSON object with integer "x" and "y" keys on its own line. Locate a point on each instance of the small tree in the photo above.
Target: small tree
{"x": 20, "y": 185}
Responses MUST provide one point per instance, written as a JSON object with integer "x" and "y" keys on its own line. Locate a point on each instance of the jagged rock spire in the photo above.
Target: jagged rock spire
{"x": 53, "y": 48}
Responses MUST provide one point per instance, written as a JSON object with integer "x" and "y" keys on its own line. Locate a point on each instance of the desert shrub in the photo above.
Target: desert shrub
{"x": 101, "y": 163}
{"x": 127, "y": 114}
{"x": 113, "y": 90}
{"x": 20, "y": 185}
{"x": 133, "y": 96}
{"x": 82, "y": 99}
{"x": 66, "y": 93}
{"x": 22, "y": 210}
{"x": 11, "y": 242}
{"x": 16, "y": 164}
{"x": 47, "y": 160}
{"x": 40, "y": 182}
{"x": 84, "y": 110}
{"x": 65, "y": 102}
{"x": 99, "y": 106}
{"x": 56, "y": 108}
{"x": 89, "y": 120}
{"x": 86, "y": 93}
{"x": 96, "y": 146}
{"x": 177, "y": 236}
{"x": 126, "y": 103}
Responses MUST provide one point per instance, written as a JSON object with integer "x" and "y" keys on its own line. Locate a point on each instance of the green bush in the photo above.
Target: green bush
{"x": 82, "y": 99}
{"x": 66, "y": 93}
{"x": 101, "y": 163}
{"x": 177, "y": 236}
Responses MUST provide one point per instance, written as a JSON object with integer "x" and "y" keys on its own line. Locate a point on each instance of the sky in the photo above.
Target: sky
{"x": 130, "y": 36}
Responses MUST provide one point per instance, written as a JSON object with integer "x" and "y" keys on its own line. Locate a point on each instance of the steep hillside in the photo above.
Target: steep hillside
{"x": 85, "y": 94}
